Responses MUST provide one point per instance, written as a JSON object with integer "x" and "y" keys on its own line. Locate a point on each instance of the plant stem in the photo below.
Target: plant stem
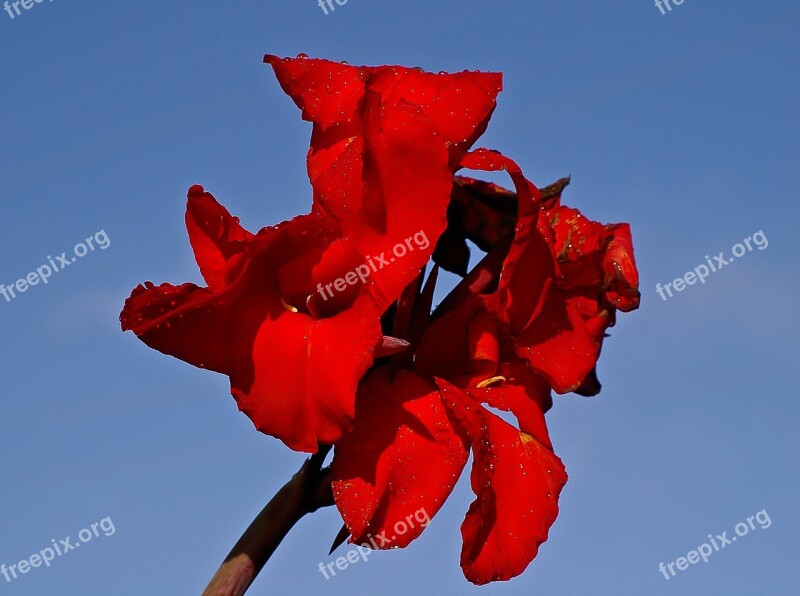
{"x": 308, "y": 490}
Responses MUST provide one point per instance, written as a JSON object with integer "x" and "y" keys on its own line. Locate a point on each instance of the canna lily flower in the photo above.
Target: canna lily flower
{"x": 557, "y": 289}
{"x": 293, "y": 371}
{"x": 517, "y": 327}
{"x": 385, "y": 144}
{"x": 326, "y": 330}
{"x": 408, "y": 449}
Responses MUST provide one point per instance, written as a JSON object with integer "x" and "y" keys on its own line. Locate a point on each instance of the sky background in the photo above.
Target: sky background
{"x": 684, "y": 125}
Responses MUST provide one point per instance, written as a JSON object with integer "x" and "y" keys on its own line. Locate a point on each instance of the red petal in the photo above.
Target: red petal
{"x": 558, "y": 345}
{"x": 400, "y": 462}
{"x": 575, "y": 235}
{"x": 298, "y": 381}
{"x": 327, "y": 92}
{"x": 524, "y": 394}
{"x": 530, "y": 267}
{"x": 216, "y": 236}
{"x": 338, "y": 260}
{"x": 621, "y": 276}
{"x": 293, "y": 375}
{"x": 484, "y": 344}
{"x": 493, "y": 161}
{"x": 460, "y": 104}
{"x": 517, "y": 482}
{"x": 408, "y": 184}
{"x": 184, "y": 321}
{"x": 444, "y": 350}
{"x": 598, "y": 256}
{"x": 383, "y": 143}
{"x": 388, "y": 188}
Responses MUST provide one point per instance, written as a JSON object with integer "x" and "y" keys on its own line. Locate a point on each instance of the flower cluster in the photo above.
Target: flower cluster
{"x": 405, "y": 391}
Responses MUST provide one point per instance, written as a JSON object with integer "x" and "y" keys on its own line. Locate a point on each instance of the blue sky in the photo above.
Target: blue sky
{"x": 682, "y": 124}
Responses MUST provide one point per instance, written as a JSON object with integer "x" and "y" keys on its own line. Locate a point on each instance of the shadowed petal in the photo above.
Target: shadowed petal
{"x": 517, "y": 481}
{"x": 400, "y": 462}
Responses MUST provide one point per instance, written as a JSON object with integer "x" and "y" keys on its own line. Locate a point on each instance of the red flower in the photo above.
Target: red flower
{"x": 408, "y": 449}
{"x": 403, "y": 456}
{"x": 530, "y": 317}
{"x": 385, "y": 144}
{"x": 303, "y": 320}
{"x": 556, "y": 291}
{"x": 293, "y": 372}
{"x": 382, "y": 157}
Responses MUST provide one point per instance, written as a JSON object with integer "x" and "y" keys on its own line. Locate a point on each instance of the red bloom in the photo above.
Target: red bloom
{"x": 385, "y": 143}
{"x": 530, "y": 317}
{"x": 309, "y": 328}
{"x": 403, "y": 456}
{"x": 292, "y": 372}
{"x": 408, "y": 449}
{"x": 380, "y": 163}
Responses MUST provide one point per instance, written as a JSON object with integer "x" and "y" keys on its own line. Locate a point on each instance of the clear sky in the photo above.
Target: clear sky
{"x": 684, "y": 124}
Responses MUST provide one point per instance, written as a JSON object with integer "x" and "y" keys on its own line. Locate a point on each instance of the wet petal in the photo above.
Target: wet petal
{"x": 217, "y": 238}
{"x": 517, "y": 481}
{"x": 401, "y": 461}
{"x": 185, "y": 321}
{"x": 294, "y": 375}
{"x": 558, "y": 345}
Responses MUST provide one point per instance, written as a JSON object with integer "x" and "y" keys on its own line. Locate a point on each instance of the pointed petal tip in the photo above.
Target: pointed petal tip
{"x": 340, "y": 539}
